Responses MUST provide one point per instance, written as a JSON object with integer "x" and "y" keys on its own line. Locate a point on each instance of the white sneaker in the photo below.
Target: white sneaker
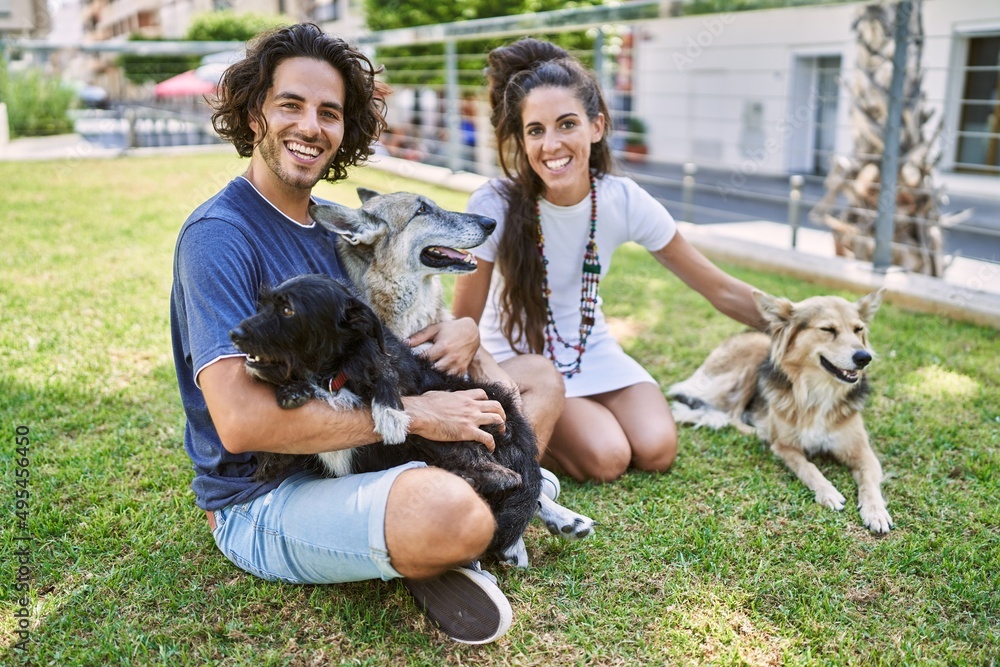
{"x": 550, "y": 484}
{"x": 465, "y": 603}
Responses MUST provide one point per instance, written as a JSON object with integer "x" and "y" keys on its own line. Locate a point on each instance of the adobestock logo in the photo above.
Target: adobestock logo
{"x": 776, "y": 140}
{"x": 696, "y": 44}
{"x": 986, "y": 275}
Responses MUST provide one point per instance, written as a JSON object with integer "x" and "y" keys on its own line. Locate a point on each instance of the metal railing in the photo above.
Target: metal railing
{"x": 438, "y": 115}
{"x": 139, "y": 126}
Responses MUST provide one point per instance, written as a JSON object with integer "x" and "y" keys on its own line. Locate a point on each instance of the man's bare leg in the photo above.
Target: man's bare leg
{"x": 435, "y": 521}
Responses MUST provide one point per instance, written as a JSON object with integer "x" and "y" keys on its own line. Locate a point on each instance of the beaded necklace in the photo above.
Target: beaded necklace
{"x": 589, "y": 282}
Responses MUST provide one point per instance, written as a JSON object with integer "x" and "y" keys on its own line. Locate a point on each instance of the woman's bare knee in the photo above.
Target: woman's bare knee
{"x": 547, "y": 381}
{"x": 607, "y": 466}
{"x": 533, "y": 372}
{"x": 656, "y": 456}
{"x": 645, "y": 418}
{"x": 599, "y": 464}
{"x": 543, "y": 393}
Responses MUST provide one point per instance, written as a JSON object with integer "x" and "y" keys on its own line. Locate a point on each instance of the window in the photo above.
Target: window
{"x": 979, "y": 120}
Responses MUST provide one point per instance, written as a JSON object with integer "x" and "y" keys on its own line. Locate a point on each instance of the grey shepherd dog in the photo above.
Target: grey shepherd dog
{"x": 801, "y": 388}
{"x": 394, "y": 249}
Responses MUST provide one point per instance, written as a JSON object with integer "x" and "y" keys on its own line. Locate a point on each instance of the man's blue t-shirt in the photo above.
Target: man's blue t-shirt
{"x": 227, "y": 249}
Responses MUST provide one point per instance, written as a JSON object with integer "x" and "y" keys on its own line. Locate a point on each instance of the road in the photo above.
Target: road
{"x": 729, "y": 196}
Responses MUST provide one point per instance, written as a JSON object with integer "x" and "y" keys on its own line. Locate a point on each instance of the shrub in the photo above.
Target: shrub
{"x": 636, "y": 129}
{"x": 221, "y": 26}
{"x": 156, "y": 68}
{"x": 224, "y": 26}
{"x": 36, "y": 103}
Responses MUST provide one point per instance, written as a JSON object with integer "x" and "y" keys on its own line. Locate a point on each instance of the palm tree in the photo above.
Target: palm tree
{"x": 917, "y": 236}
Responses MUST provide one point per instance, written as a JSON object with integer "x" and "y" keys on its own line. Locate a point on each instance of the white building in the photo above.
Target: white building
{"x": 767, "y": 90}
{"x": 170, "y": 19}
{"x": 23, "y": 18}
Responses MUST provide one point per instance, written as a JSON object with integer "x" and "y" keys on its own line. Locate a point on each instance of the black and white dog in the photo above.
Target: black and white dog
{"x": 312, "y": 338}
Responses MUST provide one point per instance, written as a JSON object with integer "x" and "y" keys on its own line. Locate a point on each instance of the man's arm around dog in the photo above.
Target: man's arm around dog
{"x": 248, "y": 418}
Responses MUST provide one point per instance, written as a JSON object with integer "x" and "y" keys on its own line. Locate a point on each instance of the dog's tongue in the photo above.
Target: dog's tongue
{"x": 450, "y": 253}
{"x": 442, "y": 257}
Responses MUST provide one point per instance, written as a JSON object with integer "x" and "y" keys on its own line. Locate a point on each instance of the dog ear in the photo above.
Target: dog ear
{"x": 775, "y": 310}
{"x": 354, "y": 225}
{"x": 364, "y": 320}
{"x": 264, "y": 292}
{"x": 365, "y": 194}
{"x": 868, "y": 305}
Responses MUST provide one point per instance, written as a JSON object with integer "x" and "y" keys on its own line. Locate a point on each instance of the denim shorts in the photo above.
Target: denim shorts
{"x": 313, "y": 529}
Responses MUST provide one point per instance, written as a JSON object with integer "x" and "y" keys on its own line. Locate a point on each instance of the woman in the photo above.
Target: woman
{"x": 561, "y": 215}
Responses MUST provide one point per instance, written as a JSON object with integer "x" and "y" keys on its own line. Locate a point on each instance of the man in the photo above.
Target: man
{"x": 303, "y": 106}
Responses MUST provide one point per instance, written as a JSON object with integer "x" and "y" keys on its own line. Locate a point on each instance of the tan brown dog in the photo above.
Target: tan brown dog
{"x": 801, "y": 388}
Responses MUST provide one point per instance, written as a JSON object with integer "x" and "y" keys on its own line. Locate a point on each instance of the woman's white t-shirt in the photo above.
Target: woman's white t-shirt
{"x": 625, "y": 212}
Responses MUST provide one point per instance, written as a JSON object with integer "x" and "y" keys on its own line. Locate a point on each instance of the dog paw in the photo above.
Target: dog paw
{"x": 292, "y": 397}
{"x": 390, "y": 423}
{"x": 516, "y": 554}
{"x": 563, "y": 522}
{"x": 876, "y": 519}
{"x": 831, "y": 498}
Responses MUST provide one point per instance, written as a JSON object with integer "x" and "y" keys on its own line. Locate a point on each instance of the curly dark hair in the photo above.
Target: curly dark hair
{"x": 514, "y": 71}
{"x": 244, "y": 87}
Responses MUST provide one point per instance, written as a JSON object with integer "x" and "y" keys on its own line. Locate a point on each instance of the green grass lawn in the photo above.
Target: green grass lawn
{"x": 724, "y": 560}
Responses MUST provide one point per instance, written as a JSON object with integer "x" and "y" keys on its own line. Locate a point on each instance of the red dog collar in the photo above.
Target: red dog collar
{"x": 337, "y": 383}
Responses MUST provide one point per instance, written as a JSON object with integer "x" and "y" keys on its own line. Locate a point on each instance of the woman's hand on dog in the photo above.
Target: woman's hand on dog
{"x": 454, "y": 416}
{"x": 453, "y": 344}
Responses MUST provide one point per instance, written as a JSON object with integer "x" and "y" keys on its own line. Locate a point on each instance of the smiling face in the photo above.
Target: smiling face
{"x": 557, "y": 139}
{"x": 304, "y": 115}
{"x": 822, "y": 337}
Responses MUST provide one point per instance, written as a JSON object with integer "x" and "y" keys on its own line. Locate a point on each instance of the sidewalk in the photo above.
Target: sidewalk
{"x": 970, "y": 290}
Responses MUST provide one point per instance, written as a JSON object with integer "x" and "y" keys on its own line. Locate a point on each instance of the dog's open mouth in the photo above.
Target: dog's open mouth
{"x": 440, "y": 257}
{"x": 253, "y": 361}
{"x": 256, "y": 362}
{"x": 842, "y": 374}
